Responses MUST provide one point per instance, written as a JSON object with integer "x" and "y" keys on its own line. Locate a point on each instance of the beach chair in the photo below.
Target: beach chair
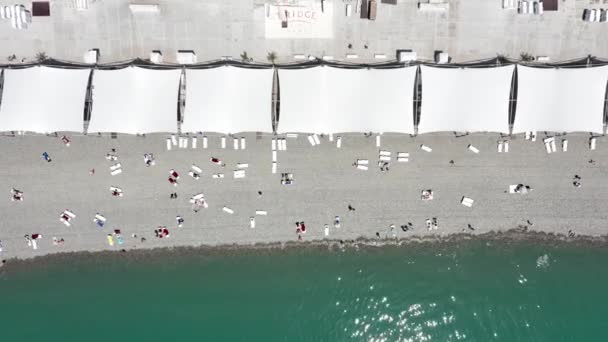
{"x": 172, "y": 181}
{"x": 378, "y": 141}
{"x": 251, "y": 222}
{"x": 292, "y": 135}
{"x": 273, "y": 145}
{"x": 512, "y": 188}
{"x": 427, "y": 195}
{"x": 194, "y": 142}
{"x": 564, "y": 145}
{"x": 274, "y": 167}
{"x": 506, "y": 146}
{"x": 110, "y": 240}
{"x": 66, "y": 222}
{"x": 169, "y": 145}
{"x": 115, "y": 167}
{"x": 283, "y": 144}
{"x": 500, "y": 146}
{"x": 243, "y": 144}
{"x": 426, "y": 148}
{"x": 173, "y": 174}
{"x": 362, "y": 161}
{"x": 316, "y": 138}
{"x": 235, "y": 142}
{"x": 467, "y": 202}
{"x": 384, "y": 153}
{"x": 174, "y": 140}
{"x": 198, "y": 196}
{"x": 274, "y": 156}
{"x": 116, "y": 172}
{"x": 339, "y": 142}
{"x": 239, "y": 173}
{"x": 473, "y": 149}
{"x": 548, "y": 147}
{"x": 183, "y": 142}
{"x": 215, "y": 161}
{"x": 228, "y": 210}
{"x": 218, "y": 175}
{"x": 261, "y": 212}
{"x": 527, "y": 135}
{"x": 592, "y": 143}
{"x": 223, "y": 142}
{"x": 34, "y": 244}
{"x": 362, "y": 167}
{"x": 533, "y": 136}
{"x": 553, "y": 147}
{"x": 205, "y": 142}
{"x": 384, "y": 158}
{"x": 331, "y": 137}
{"x": 242, "y": 165}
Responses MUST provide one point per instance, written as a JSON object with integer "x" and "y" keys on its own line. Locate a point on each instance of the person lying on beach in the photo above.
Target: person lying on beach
{"x": 46, "y": 157}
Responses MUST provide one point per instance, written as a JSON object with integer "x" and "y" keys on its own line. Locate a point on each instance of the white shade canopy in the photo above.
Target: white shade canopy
{"x": 135, "y": 100}
{"x": 43, "y": 100}
{"x": 335, "y": 100}
{"x": 560, "y": 100}
{"x": 465, "y": 100}
{"x": 228, "y": 100}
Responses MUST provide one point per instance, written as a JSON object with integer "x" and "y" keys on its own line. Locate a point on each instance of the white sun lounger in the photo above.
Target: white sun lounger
{"x": 218, "y": 175}
{"x": 194, "y": 175}
{"x": 205, "y": 142}
{"x": 100, "y": 218}
{"x": 194, "y": 142}
{"x": 235, "y": 143}
{"x": 403, "y": 154}
{"x": 385, "y": 158}
{"x": 426, "y": 148}
{"x": 362, "y": 161}
{"x": 228, "y": 210}
{"x": 243, "y": 144}
{"x": 500, "y": 144}
{"x": 116, "y": 172}
{"x": 274, "y": 167}
{"x": 174, "y": 140}
{"x": 385, "y": 153}
{"x": 592, "y": 143}
{"x": 548, "y": 140}
{"x": 311, "y": 140}
{"x": 184, "y": 142}
{"x": 34, "y": 244}
{"x": 69, "y": 213}
{"x": 339, "y": 142}
{"x": 317, "y": 140}
{"x": 528, "y": 135}
{"x": 331, "y": 137}
{"x": 66, "y": 222}
{"x": 169, "y": 144}
{"x": 239, "y": 173}
{"x": 198, "y": 196}
{"x": 564, "y": 145}
{"x": 553, "y": 147}
{"x": 548, "y": 147}
{"x": 115, "y": 167}
{"x": 273, "y": 145}
{"x": 378, "y": 141}
{"x": 113, "y": 188}
{"x": 223, "y": 142}
{"x": 251, "y": 222}
{"x": 403, "y": 159}
{"x": 362, "y": 167}
{"x": 467, "y": 202}
{"x": 242, "y": 165}
{"x": 274, "y": 156}
{"x": 512, "y": 188}
{"x": 473, "y": 149}
{"x": 261, "y": 212}
{"x": 283, "y": 144}
{"x": 506, "y": 145}
{"x": 292, "y": 135}
{"x": 533, "y": 136}
{"x": 196, "y": 169}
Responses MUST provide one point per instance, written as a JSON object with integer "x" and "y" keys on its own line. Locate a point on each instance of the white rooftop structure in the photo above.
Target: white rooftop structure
{"x": 134, "y": 100}
{"x": 43, "y": 100}
{"x": 228, "y": 100}
{"x": 335, "y": 100}
{"x": 465, "y": 100}
{"x": 560, "y": 100}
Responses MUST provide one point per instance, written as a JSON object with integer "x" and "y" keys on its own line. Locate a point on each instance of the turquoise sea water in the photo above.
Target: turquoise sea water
{"x": 470, "y": 291}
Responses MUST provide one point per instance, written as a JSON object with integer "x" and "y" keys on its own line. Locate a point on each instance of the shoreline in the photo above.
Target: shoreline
{"x": 506, "y": 238}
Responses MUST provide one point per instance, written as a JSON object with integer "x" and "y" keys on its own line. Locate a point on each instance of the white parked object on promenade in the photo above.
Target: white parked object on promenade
{"x": 205, "y": 142}
{"x": 339, "y": 142}
{"x": 251, "y": 222}
{"x": 362, "y": 167}
{"x": 169, "y": 144}
{"x": 261, "y": 212}
{"x": 377, "y": 141}
{"x": 196, "y": 169}
{"x": 228, "y": 210}
{"x": 384, "y": 153}
{"x": 239, "y": 173}
{"x": 274, "y": 144}
{"x": 473, "y": 149}
{"x": 592, "y": 143}
{"x": 564, "y": 145}
{"x": 467, "y": 202}
{"x": 274, "y": 167}
{"x": 194, "y": 142}
{"x": 242, "y": 165}
{"x": 311, "y": 140}
{"x": 235, "y": 143}
{"x": 426, "y": 148}
{"x": 223, "y": 142}
{"x": 274, "y": 156}
{"x": 243, "y": 143}
{"x": 500, "y": 146}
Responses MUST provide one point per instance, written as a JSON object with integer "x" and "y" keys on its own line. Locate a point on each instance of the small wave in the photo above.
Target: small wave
{"x": 543, "y": 261}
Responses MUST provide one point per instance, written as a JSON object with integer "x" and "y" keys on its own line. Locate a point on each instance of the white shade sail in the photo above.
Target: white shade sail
{"x": 228, "y": 100}
{"x": 335, "y": 100}
{"x": 560, "y": 100}
{"x": 465, "y": 100}
{"x": 43, "y": 100}
{"x": 134, "y": 100}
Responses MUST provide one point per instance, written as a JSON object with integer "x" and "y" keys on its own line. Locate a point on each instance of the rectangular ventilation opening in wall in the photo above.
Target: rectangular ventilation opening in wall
{"x": 41, "y": 9}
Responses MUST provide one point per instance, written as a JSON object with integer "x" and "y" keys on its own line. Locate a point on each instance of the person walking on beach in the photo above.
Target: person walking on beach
{"x": 180, "y": 221}
{"x": 351, "y": 208}
{"x": 46, "y": 157}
